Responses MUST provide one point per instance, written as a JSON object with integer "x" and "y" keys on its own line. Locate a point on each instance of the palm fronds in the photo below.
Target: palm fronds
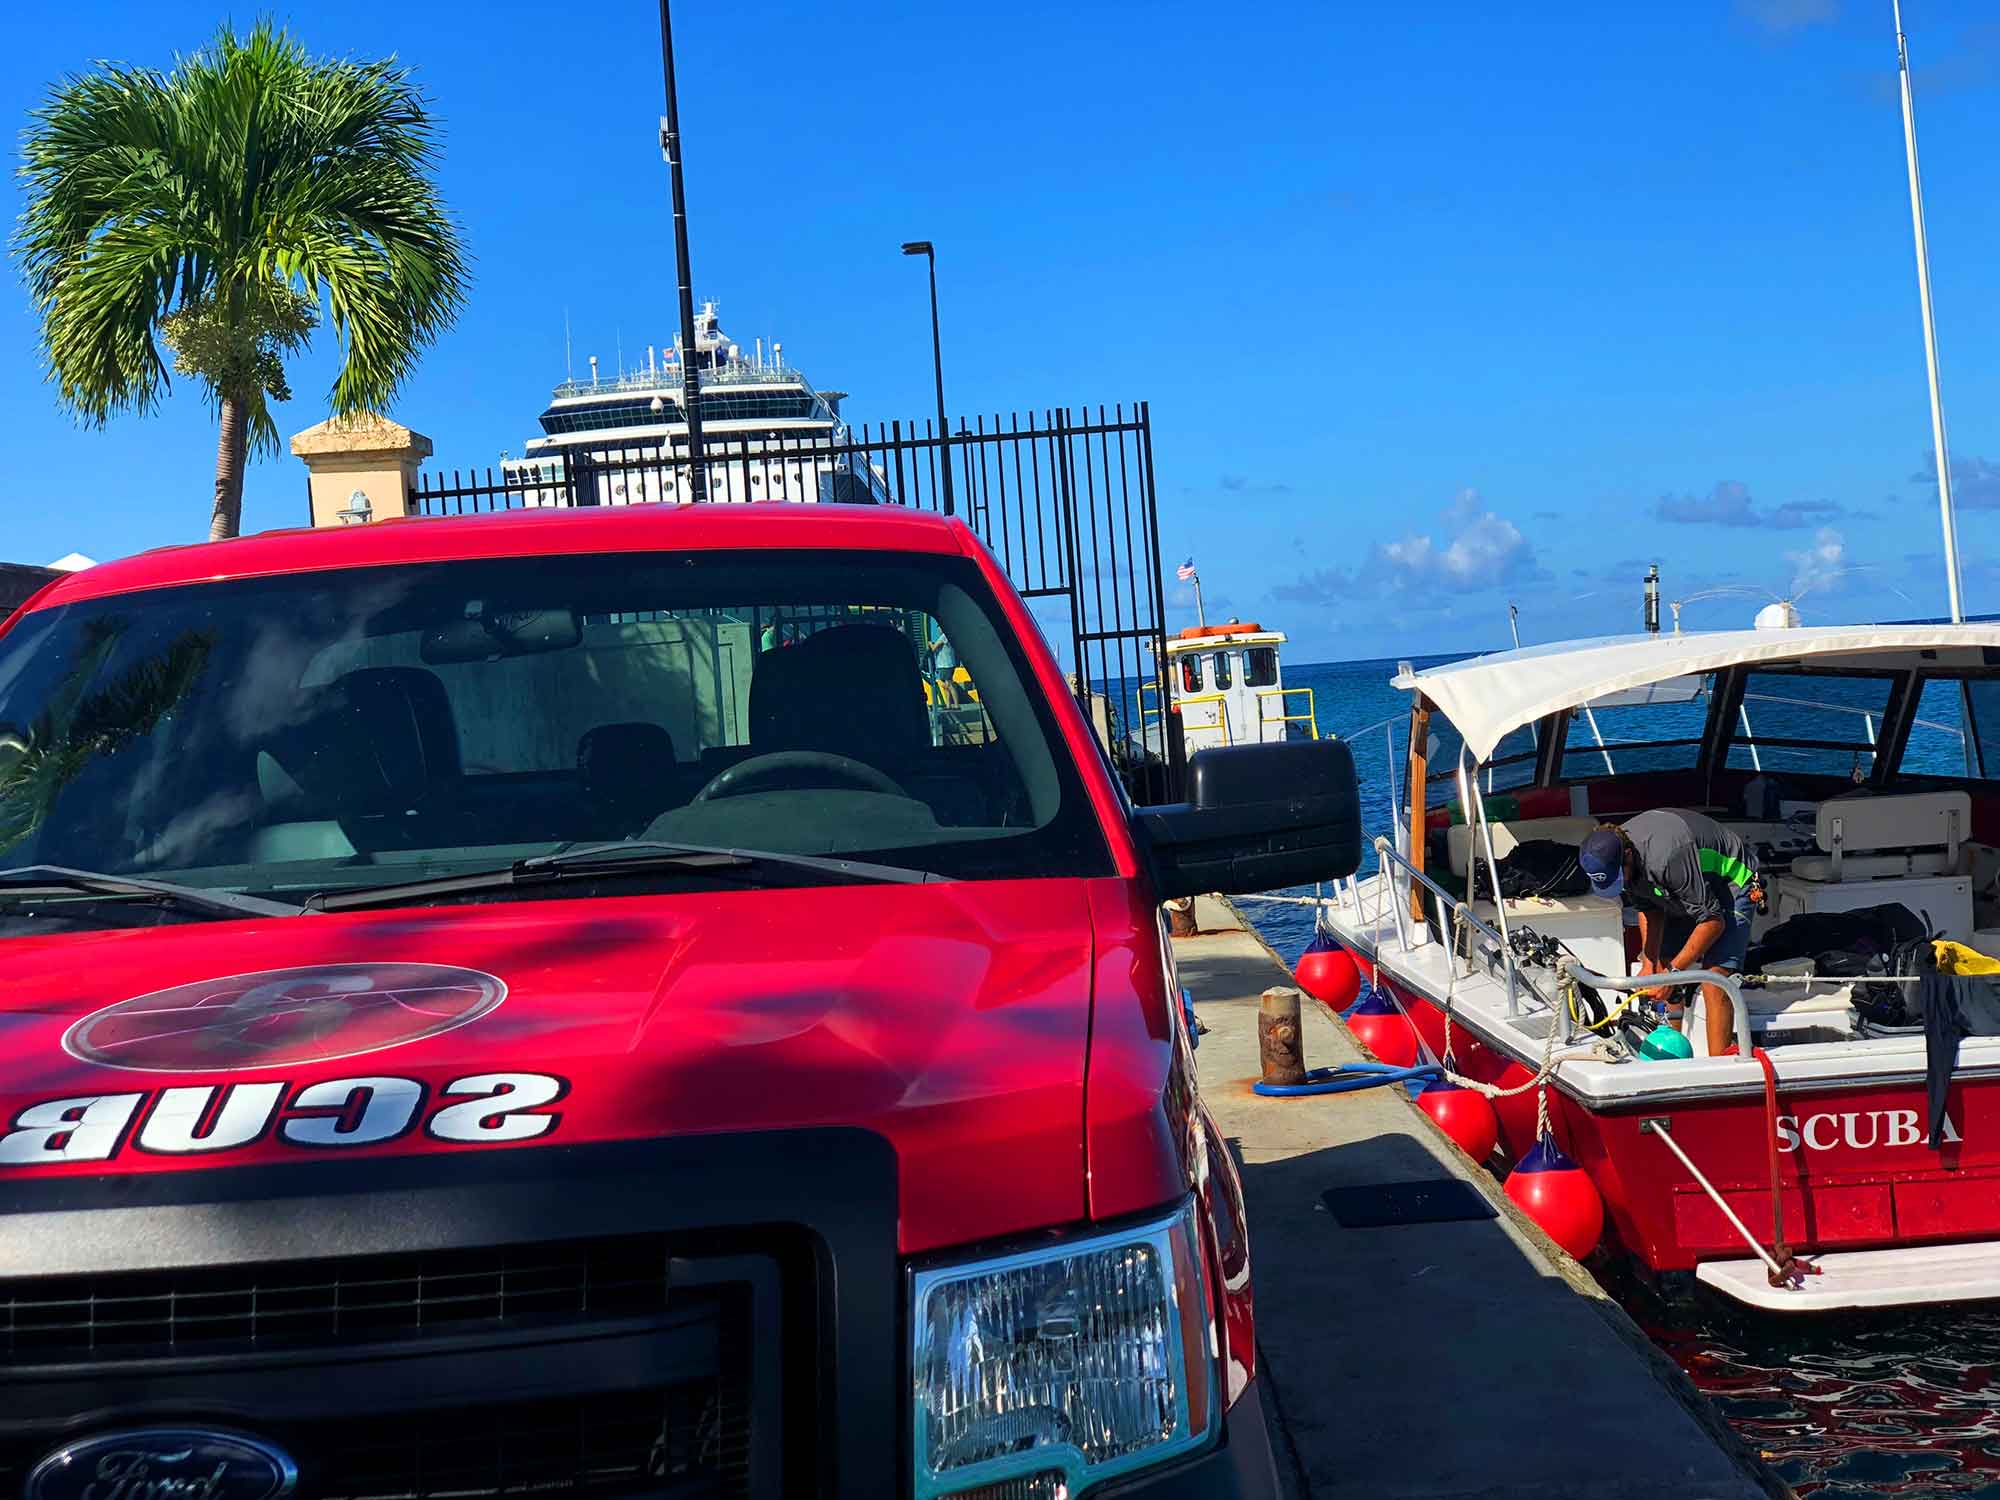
{"x": 249, "y": 174}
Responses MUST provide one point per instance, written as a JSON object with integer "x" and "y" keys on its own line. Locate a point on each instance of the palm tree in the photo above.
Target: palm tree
{"x": 216, "y": 208}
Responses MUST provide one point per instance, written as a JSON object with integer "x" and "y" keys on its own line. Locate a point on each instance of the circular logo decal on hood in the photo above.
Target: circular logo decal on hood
{"x": 278, "y": 1017}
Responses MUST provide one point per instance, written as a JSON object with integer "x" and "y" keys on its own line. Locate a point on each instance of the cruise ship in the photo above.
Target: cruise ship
{"x": 622, "y": 439}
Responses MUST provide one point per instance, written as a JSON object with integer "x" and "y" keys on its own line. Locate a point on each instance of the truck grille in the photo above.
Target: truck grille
{"x": 686, "y": 1441}
{"x": 351, "y": 1299}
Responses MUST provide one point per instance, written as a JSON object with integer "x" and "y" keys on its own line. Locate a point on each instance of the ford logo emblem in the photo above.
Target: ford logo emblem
{"x": 164, "y": 1463}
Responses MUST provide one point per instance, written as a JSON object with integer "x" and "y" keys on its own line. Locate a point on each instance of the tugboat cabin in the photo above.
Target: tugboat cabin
{"x": 1227, "y": 688}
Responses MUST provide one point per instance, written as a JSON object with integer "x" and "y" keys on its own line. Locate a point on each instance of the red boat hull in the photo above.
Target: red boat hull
{"x": 1856, "y": 1168}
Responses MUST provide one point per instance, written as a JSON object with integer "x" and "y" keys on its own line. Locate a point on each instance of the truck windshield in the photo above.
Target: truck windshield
{"x": 321, "y": 731}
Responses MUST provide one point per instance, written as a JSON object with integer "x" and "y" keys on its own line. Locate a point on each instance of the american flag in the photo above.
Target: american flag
{"x": 1185, "y": 571}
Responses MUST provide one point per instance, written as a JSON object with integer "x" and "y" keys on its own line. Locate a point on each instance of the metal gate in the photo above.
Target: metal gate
{"x": 1064, "y": 499}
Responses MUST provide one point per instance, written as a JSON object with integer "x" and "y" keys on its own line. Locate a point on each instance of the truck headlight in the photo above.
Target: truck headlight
{"x": 1060, "y": 1367}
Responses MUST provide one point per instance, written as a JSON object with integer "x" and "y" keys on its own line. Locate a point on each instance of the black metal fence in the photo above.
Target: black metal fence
{"x": 1064, "y": 499}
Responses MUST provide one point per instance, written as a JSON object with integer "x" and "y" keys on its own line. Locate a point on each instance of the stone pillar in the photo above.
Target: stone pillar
{"x": 363, "y": 456}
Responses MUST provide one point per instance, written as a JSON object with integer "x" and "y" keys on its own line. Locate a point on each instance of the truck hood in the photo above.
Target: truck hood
{"x": 951, "y": 1019}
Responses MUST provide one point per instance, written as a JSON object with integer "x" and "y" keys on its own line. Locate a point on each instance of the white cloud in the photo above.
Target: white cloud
{"x": 1479, "y": 547}
{"x": 1472, "y": 549}
{"x": 1819, "y": 565}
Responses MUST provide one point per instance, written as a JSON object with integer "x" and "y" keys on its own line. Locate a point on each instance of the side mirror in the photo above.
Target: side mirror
{"x": 1259, "y": 817}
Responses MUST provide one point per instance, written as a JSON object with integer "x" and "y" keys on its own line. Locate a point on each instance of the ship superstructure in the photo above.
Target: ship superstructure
{"x": 621, "y": 439}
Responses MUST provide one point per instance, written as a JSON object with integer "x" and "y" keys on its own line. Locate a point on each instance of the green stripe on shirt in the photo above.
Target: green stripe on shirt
{"x": 1715, "y": 862}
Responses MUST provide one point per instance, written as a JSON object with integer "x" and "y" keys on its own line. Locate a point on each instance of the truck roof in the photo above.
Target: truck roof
{"x": 542, "y": 531}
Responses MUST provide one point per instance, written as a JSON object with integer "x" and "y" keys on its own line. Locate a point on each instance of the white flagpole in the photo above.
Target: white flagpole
{"x": 1200, "y": 616}
{"x": 1943, "y": 458}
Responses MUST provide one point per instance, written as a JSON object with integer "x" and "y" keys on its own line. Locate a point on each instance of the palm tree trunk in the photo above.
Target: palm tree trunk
{"x": 227, "y": 519}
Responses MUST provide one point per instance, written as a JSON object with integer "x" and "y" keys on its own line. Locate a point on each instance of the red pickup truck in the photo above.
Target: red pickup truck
{"x": 646, "y": 1002}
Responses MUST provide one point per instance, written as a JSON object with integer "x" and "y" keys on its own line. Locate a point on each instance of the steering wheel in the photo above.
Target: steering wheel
{"x": 795, "y": 767}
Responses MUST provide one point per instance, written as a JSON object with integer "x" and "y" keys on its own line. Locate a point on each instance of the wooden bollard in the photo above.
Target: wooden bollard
{"x": 1280, "y": 1047}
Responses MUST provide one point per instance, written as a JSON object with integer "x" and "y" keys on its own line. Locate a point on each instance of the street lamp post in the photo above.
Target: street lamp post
{"x": 929, "y": 253}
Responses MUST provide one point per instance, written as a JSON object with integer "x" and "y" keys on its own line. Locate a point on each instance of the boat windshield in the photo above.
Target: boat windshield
{"x": 306, "y": 733}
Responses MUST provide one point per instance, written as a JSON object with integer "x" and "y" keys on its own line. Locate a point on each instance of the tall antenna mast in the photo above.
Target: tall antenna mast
{"x": 670, "y": 147}
{"x": 1943, "y": 458}
{"x": 569, "y": 366}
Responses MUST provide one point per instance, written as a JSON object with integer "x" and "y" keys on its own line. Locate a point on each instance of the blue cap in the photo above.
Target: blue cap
{"x": 1603, "y": 859}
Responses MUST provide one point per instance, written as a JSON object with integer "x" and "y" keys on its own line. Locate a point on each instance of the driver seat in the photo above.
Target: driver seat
{"x": 850, "y": 690}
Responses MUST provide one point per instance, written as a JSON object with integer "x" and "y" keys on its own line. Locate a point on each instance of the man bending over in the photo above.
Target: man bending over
{"x": 1671, "y": 863}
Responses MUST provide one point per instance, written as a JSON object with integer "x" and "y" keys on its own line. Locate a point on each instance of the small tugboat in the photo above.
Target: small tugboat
{"x": 1860, "y": 764}
{"x": 1225, "y": 686}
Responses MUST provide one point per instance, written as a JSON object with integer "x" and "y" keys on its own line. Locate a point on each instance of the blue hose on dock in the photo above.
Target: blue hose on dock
{"x": 1346, "y": 1079}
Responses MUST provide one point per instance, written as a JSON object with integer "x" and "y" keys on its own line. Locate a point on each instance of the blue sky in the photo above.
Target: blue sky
{"x": 1435, "y": 305}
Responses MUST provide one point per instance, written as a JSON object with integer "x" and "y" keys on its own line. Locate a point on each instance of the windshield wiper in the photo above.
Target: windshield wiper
{"x": 653, "y": 851}
{"x": 631, "y": 857}
{"x": 91, "y": 883}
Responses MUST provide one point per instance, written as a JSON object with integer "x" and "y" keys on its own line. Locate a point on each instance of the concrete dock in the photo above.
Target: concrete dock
{"x": 1436, "y": 1360}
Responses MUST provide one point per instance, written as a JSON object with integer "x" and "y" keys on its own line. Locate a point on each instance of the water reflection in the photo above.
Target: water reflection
{"x": 1897, "y": 1405}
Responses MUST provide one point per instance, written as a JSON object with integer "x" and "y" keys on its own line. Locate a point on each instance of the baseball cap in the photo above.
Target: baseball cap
{"x": 1603, "y": 859}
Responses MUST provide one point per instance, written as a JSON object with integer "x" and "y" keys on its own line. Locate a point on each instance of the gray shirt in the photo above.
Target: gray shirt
{"x": 1689, "y": 864}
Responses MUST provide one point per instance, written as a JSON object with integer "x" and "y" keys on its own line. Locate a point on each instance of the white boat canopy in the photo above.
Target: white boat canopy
{"x": 1488, "y": 697}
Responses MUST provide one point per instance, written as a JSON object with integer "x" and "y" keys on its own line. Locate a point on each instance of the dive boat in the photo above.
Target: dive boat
{"x": 1861, "y": 766}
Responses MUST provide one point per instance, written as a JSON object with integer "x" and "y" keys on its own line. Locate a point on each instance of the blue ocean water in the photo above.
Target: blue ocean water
{"x": 1849, "y": 1410}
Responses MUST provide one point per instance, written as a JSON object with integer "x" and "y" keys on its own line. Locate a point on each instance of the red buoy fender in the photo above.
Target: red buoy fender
{"x": 1558, "y": 1195}
{"x": 1380, "y": 1025}
{"x": 1466, "y": 1115}
{"x": 1328, "y": 973}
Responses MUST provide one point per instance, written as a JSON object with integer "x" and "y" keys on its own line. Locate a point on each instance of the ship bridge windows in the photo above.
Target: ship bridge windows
{"x": 1190, "y": 673}
{"x": 560, "y": 419}
{"x": 1221, "y": 671}
{"x": 1260, "y": 666}
{"x": 716, "y": 406}
{"x": 737, "y": 406}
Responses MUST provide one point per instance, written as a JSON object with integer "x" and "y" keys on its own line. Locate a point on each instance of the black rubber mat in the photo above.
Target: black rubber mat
{"x": 1383, "y": 1205}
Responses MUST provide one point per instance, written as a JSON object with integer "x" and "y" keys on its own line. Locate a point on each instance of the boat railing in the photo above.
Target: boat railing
{"x": 1149, "y": 712}
{"x": 1397, "y": 878}
{"x": 1189, "y": 731}
{"x": 1149, "y": 709}
{"x": 666, "y": 379}
{"x": 1453, "y": 911}
{"x": 1727, "y": 983}
{"x": 1280, "y": 697}
{"x": 1388, "y": 727}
